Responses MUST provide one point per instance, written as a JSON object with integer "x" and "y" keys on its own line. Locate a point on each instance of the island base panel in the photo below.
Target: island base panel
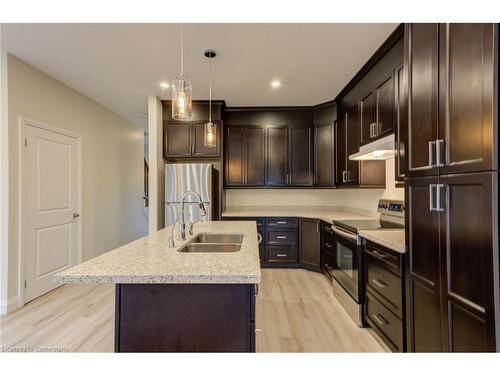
{"x": 185, "y": 318}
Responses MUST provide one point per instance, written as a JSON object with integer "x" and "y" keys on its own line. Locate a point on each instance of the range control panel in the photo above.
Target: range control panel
{"x": 391, "y": 207}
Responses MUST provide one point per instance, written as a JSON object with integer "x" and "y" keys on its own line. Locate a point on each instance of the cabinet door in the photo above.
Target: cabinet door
{"x": 177, "y": 139}
{"x": 277, "y": 156}
{"x": 340, "y": 148}
{"x": 235, "y": 157}
{"x": 324, "y": 157}
{"x": 467, "y": 83}
{"x": 367, "y": 118}
{"x": 468, "y": 261}
{"x": 199, "y": 148}
{"x": 255, "y": 141}
{"x": 352, "y": 144}
{"x": 309, "y": 244}
{"x": 401, "y": 131}
{"x": 423, "y": 68}
{"x": 385, "y": 108}
{"x": 423, "y": 289}
{"x": 300, "y": 171}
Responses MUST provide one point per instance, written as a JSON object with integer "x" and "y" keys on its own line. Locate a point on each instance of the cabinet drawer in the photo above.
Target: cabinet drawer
{"x": 282, "y": 254}
{"x": 385, "y": 323}
{"x": 282, "y": 222}
{"x": 387, "y": 258}
{"x": 281, "y": 237}
{"x": 386, "y": 284}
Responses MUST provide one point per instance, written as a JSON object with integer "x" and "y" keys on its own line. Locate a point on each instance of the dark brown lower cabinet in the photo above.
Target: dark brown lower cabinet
{"x": 310, "y": 244}
{"x": 185, "y": 318}
{"x": 385, "y": 291}
{"x": 453, "y": 262}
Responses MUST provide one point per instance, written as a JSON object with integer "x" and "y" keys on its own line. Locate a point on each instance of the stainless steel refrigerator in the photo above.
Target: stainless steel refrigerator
{"x": 180, "y": 178}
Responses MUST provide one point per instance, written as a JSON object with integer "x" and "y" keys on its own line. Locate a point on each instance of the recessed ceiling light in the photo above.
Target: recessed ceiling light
{"x": 165, "y": 85}
{"x": 275, "y": 84}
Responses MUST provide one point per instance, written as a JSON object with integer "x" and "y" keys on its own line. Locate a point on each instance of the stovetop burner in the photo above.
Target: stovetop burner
{"x": 369, "y": 224}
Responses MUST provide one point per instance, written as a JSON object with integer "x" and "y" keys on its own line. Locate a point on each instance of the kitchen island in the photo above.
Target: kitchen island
{"x": 173, "y": 301}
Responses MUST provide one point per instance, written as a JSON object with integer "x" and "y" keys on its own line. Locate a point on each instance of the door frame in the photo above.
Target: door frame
{"x": 22, "y": 123}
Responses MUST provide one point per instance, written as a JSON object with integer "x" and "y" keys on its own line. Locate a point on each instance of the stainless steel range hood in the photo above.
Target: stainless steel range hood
{"x": 381, "y": 149}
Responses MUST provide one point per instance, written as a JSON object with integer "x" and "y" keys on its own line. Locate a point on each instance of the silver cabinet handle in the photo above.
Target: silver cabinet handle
{"x": 281, "y": 222}
{"x": 281, "y": 237}
{"x": 259, "y": 236}
{"x": 439, "y": 208}
{"x": 431, "y": 158}
{"x": 380, "y": 320}
{"x": 379, "y": 283}
{"x": 439, "y": 150}
{"x": 75, "y": 215}
{"x": 281, "y": 255}
{"x": 371, "y": 130}
{"x": 379, "y": 128}
{"x": 344, "y": 176}
{"x": 432, "y": 187}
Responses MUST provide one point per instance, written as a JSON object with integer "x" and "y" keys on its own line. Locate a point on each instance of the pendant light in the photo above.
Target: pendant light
{"x": 182, "y": 93}
{"x": 210, "y": 131}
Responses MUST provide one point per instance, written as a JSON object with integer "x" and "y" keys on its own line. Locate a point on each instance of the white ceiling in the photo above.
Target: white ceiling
{"x": 119, "y": 65}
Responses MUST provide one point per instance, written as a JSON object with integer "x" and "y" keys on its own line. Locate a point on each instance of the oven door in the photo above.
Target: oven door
{"x": 346, "y": 262}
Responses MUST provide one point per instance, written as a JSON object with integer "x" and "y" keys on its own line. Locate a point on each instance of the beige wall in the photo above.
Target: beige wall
{"x": 112, "y": 161}
{"x": 365, "y": 199}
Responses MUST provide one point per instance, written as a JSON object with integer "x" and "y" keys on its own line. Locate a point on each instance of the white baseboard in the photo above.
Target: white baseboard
{"x": 7, "y": 306}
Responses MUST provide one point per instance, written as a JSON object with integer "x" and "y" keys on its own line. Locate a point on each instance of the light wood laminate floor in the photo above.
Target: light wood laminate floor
{"x": 296, "y": 312}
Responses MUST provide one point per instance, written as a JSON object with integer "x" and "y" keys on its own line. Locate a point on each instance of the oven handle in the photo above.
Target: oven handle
{"x": 345, "y": 234}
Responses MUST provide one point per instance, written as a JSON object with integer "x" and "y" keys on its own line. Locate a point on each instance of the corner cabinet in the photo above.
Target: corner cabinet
{"x": 324, "y": 117}
{"x": 310, "y": 244}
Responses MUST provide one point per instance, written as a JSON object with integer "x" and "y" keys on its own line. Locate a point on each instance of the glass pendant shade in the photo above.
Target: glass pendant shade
{"x": 210, "y": 135}
{"x": 182, "y": 94}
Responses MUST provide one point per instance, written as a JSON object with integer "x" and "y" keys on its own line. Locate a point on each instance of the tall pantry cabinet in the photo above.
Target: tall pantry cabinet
{"x": 452, "y": 190}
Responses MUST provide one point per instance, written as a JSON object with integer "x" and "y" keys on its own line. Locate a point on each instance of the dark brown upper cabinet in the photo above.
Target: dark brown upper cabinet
{"x": 468, "y": 83}
{"x": 401, "y": 121}
{"x": 352, "y": 145}
{"x": 277, "y": 156}
{"x": 244, "y": 156}
{"x": 278, "y": 147}
{"x": 301, "y": 152}
{"x": 186, "y": 139}
{"x": 452, "y": 83}
{"x": 377, "y": 112}
{"x": 289, "y": 156}
{"x": 324, "y": 144}
{"x": 422, "y": 61}
{"x": 177, "y": 139}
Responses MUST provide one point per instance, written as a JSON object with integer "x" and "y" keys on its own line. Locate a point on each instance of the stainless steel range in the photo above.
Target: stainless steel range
{"x": 347, "y": 268}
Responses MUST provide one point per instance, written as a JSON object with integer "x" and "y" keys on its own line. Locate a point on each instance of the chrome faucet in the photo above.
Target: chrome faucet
{"x": 182, "y": 216}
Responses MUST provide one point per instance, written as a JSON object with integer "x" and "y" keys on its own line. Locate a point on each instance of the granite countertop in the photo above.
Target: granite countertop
{"x": 150, "y": 260}
{"x": 393, "y": 239}
{"x": 325, "y": 213}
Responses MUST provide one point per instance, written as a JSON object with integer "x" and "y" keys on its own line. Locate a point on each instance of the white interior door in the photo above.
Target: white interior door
{"x": 50, "y": 201}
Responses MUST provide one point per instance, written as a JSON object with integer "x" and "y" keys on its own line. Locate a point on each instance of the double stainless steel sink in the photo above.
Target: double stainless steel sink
{"x": 213, "y": 243}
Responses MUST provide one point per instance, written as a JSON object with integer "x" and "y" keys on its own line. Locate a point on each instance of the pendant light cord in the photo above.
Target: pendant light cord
{"x": 210, "y": 90}
{"x": 182, "y": 54}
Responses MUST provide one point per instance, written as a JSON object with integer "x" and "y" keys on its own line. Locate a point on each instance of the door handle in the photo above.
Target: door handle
{"x": 380, "y": 320}
{"x": 439, "y": 208}
{"x": 431, "y": 159}
{"x": 75, "y": 215}
{"x": 379, "y": 283}
{"x": 439, "y": 150}
{"x": 431, "y": 197}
